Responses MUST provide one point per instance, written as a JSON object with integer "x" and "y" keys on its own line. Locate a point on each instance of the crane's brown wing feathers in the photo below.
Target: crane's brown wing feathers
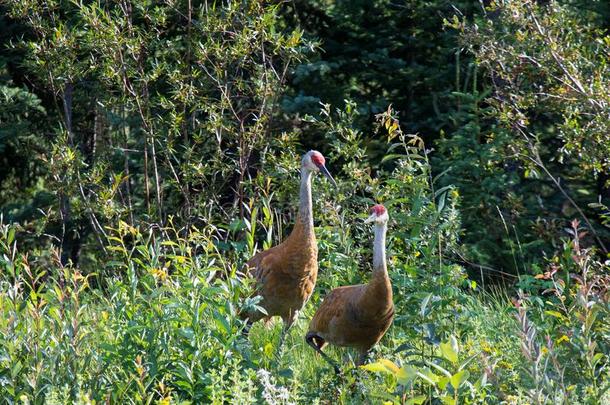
{"x": 332, "y": 308}
{"x": 284, "y": 278}
{"x": 341, "y": 321}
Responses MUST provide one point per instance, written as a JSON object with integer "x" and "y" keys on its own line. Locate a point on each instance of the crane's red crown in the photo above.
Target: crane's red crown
{"x": 317, "y": 159}
{"x": 378, "y": 209}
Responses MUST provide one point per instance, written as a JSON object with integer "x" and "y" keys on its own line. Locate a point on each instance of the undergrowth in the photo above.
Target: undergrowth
{"x": 157, "y": 321}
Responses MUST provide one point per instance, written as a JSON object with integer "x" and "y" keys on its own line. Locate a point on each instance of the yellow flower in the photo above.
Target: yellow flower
{"x": 160, "y": 274}
{"x": 563, "y": 338}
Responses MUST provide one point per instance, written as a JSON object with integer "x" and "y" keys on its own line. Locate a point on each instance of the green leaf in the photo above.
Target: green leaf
{"x": 391, "y": 157}
{"x": 268, "y": 350}
{"x": 382, "y": 366}
{"x": 450, "y": 349}
{"x": 458, "y": 378}
{"x": 428, "y": 376}
{"x": 417, "y": 400}
{"x": 468, "y": 360}
{"x": 441, "y": 203}
{"x": 11, "y": 236}
{"x": 442, "y": 383}
{"x": 448, "y": 400}
{"x": 442, "y": 190}
{"x": 597, "y": 358}
{"x": 405, "y": 375}
{"x": 403, "y": 347}
{"x": 424, "y": 305}
{"x": 222, "y": 323}
{"x": 439, "y": 368}
{"x": 16, "y": 369}
{"x": 556, "y": 314}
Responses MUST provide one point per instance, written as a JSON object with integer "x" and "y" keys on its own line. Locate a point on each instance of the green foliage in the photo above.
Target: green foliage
{"x": 443, "y": 372}
{"x": 149, "y": 149}
{"x": 575, "y": 317}
{"x": 528, "y": 112}
{"x": 552, "y": 66}
{"x": 159, "y": 329}
{"x": 159, "y": 109}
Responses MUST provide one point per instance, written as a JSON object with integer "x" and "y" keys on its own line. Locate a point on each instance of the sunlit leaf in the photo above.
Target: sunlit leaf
{"x": 416, "y": 400}
{"x": 450, "y": 349}
{"x": 428, "y": 376}
{"x": 458, "y": 378}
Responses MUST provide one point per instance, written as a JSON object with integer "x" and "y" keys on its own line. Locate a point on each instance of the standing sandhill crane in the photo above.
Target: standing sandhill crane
{"x": 358, "y": 315}
{"x": 286, "y": 274}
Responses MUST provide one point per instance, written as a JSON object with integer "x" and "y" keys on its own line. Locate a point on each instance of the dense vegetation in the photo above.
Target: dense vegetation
{"x": 148, "y": 149}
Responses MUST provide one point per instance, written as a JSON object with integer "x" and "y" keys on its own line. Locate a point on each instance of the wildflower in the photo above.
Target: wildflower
{"x": 272, "y": 393}
{"x": 563, "y": 338}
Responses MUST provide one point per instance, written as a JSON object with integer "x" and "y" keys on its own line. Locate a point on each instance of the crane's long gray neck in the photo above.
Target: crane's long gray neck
{"x": 379, "y": 263}
{"x": 305, "y": 204}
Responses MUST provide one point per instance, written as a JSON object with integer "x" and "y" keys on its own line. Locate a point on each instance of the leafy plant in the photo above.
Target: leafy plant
{"x": 444, "y": 372}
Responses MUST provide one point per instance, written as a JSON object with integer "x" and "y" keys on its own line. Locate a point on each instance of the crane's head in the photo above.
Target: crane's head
{"x": 314, "y": 162}
{"x": 379, "y": 215}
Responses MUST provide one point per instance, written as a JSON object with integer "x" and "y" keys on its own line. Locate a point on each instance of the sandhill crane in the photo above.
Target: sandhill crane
{"x": 286, "y": 274}
{"x": 358, "y": 315}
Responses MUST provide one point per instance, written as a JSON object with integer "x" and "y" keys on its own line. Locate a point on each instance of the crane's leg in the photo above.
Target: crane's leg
{"x": 364, "y": 353}
{"x": 288, "y": 322}
{"x": 311, "y": 339}
{"x": 245, "y": 332}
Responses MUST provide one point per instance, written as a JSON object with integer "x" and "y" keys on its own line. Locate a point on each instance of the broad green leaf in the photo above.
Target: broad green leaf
{"x": 458, "y": 378}
{"x": 405, "y": 375}
{"x": 389, "y": 365}
{"x": 268, "y": 350}
{"x": 424, "y": 305}
{"x": 391, "y": 157}
{"x": 375, "y": 367}
{"x": 403, "y": 347}
{"x": 441, "y": 190}
{"x": 441, "y": 203}
{"x": 442, "y": 383}
{"x": 449, "y": 350}
{"x": 597, "y": 358}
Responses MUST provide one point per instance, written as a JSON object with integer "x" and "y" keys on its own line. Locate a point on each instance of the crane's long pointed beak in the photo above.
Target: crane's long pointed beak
{"x": 325, "y": 172}
{"x": 370, "y": 219}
